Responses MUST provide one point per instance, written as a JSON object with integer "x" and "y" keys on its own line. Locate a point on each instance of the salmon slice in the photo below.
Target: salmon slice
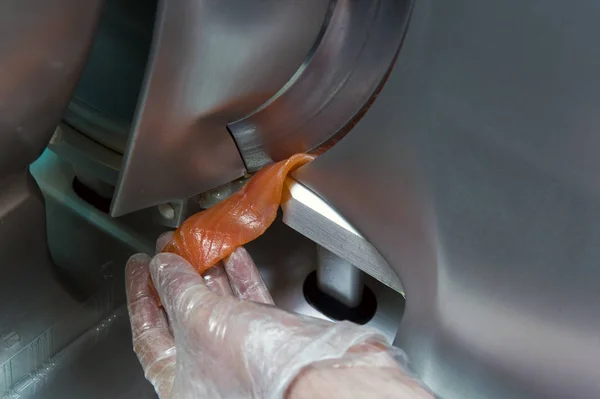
{"x": 211, "y": 235}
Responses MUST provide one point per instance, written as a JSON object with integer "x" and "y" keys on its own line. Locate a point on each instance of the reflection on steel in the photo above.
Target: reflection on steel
{"x": 82, "y": 362}
{"x": 99, "y": 364}
{"x": 86, "y": 154}
{"x": 347, "y": 64}
{"x": 475, "y": 174}
{"x": 307, "y": 213}
{"x": 338, "y": 278}
{"x": 43, "y": 47}
{"x": 212, "y": 62}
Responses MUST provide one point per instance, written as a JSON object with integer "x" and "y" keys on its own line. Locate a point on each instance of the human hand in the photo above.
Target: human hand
{"x": 218, "y": 336}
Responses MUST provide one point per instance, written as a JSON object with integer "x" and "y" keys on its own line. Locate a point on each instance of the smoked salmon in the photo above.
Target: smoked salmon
{"x": 211, "y": 235}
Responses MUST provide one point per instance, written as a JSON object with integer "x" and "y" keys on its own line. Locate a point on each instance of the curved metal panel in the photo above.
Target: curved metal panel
{"x": 475, "y": 174}
{"x": 212, "y": 62}
{"x": 43, "y": 47}
{"x": 347, "y": 64}
{"x": 116, "y": 64}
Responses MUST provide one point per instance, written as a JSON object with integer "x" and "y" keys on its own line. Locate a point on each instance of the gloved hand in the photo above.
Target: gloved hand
{"x": 219, "y": 336}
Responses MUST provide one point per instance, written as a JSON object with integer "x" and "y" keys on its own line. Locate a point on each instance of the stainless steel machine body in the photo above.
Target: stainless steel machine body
{"x": 461, "y": 174}
{"x": 231, "y": 86}
{"x": 475, "y": 176}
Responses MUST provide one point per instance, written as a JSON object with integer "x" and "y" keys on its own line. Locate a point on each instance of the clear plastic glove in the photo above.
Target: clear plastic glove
{"x": 219, "y": 337}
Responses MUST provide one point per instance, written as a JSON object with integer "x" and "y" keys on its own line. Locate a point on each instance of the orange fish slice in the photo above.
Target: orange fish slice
{"x": 209, "y": 236}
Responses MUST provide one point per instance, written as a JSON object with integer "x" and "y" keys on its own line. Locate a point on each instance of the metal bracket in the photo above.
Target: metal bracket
{"x": 310, "y": 215}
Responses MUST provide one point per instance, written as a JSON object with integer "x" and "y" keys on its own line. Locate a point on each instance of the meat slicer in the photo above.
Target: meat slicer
{"x": 454, "y": 207}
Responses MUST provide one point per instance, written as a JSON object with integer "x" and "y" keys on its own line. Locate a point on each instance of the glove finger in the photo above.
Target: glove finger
{"x": 139, "y": 298}
{"x": 178, "y": 284}
{"x": 163, "y": 240}
{"x": 216, "y": 280}
{"x": 152, "y": 341}
{"x": 245, "y": 279}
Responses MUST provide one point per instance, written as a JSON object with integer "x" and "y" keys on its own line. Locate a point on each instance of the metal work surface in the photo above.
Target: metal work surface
{"x": 101, "y": 363}
{"x": 475, "y": 174}
{"x": 43, "y": 47}
{"x": 31, "y": 298}
{"x": 212, "y": 63}
{"x": 356, "y": 48}
{"x": 32, "y": 368}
